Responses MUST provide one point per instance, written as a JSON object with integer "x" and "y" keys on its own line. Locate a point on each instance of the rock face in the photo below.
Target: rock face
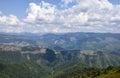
{"x": 88, "y": 52}
{"x": 51, "y": 57}
{"x": 42, "y": 50}
{"x": 10, "y": 47}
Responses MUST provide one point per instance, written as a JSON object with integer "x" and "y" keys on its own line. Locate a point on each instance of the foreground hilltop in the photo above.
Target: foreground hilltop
{"x": 76, "y": 71}
{"x": 30, "y": 69}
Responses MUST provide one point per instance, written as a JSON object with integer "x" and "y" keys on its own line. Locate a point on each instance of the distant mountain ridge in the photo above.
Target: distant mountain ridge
{"x": 66, "y": 41}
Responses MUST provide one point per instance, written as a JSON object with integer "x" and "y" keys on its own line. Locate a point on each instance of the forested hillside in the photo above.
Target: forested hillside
{"x": 30, "y": 69}
{"x": 27, "y": 69}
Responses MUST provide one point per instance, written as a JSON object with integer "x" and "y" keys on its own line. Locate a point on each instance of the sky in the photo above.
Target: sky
{"x": 59, "y": 16}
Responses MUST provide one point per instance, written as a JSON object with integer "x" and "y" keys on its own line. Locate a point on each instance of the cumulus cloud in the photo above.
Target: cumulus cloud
{"x": 8, "y": 20}
{"x": 84, "y": 16}
{"x": 66, "y": 2}
{"x": 42, "y": 12}
{"x": 10, "y": 24}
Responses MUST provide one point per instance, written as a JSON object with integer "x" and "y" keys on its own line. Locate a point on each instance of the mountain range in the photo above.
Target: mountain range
{"x": 57, "y": 53}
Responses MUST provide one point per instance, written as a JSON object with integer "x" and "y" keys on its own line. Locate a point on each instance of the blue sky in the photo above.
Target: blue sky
{"x": 116, "y": 2}
{"x": 35, "y": 14}
{"x": 18, "y": 7}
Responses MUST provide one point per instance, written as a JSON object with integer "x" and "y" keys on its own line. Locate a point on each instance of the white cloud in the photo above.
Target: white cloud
{"x": 8, "y": 20}
{"x": 42, "y": 12}
{"x": 10, "y": 24}
{"x": 85, "y": 16}
{"x": 66, "y": 2}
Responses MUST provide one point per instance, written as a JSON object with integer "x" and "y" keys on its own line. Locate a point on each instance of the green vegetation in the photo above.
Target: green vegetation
{"x": 31, "y": 69}
{"x": 26, "y": 69}
{"x": 89, "y": 72}
{"x": 111, "y": 72}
